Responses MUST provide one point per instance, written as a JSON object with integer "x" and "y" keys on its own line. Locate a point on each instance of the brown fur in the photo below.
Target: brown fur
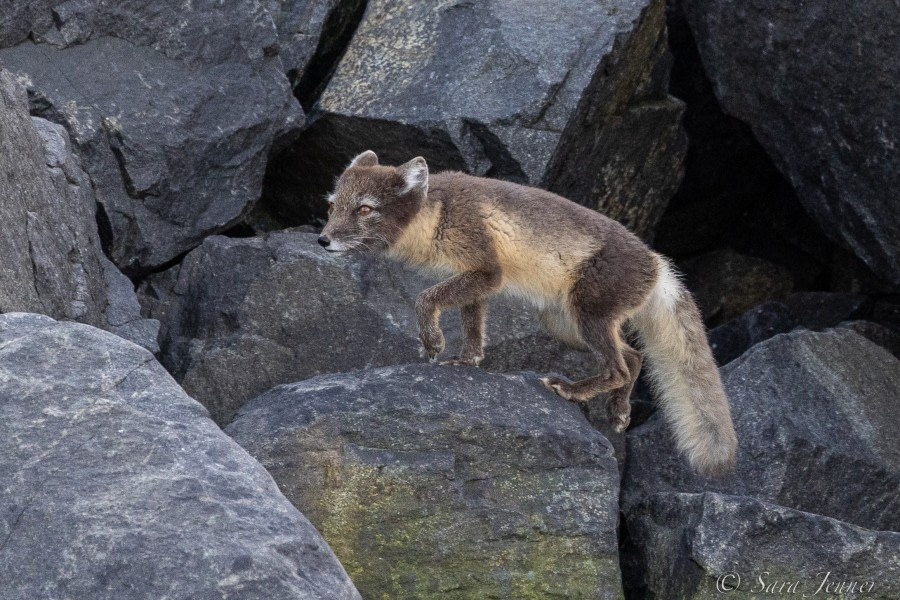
{"x": 587, "y": 275}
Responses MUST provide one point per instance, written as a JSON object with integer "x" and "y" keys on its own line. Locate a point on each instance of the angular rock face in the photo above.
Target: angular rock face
{"x": 445, "y": 482}
{"x": 807, "y": 310}
{"x": 299, "y": 26}
{"x": 242, "y": 315}
{"x": 117, "y": 485}
{"x": 886, "y": 337}
{"x": 818, "y": 86}
{"x": 123, "y": 312}
{"x": 758, "y": 324}
{"x": 312, "y": 34}
{"x": 706, "y": 545}
{"x": 732, "y": 195}
{"x": 573, "y": 99}
{"x": 816, "y": 416}
{"x": 174, "y": 133}
{"x": 52, "y": 260}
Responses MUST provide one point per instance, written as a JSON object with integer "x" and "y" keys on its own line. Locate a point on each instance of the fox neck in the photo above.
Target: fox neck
{"x": 416, "y": 244}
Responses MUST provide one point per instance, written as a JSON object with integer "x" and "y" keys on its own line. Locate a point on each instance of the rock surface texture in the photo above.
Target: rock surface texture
{"x": 184, "y": 148}
{"x": 817, "y": 84}
{"x": 695, "y": 546}
{"x": 52, "y": 258}
{"x": 806, "y": 310}
{"x": 439, "y": 482}
{"x": 816, "y": 416}
{"x": 243, "y": 315}
{"x": 117, "y": 485}
{"x": 570, "y": 99}
{"x": 173, "y": 110}
{"x": 312, "y": 34}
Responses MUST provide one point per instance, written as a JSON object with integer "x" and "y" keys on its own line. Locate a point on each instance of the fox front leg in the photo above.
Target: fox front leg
{"x": 428, "y": 316}
{"x": 472, "y": 351}
{"x": 460, "y": 290}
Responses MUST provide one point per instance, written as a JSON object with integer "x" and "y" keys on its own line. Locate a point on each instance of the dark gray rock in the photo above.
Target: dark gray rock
{"x": 52, "y": 259}
{"x": 299, "y": 26}
{"x": 242, "y": 315}
{"x": 758, "y": 324}
{"x": 885, "y": 336}
{"x": 693, "y": 546}
{"x": 850, "y": 274}
{"x": 818, "y": 310}
{"x": 174, "y": 133}
{"x": 817, "y": 84}
{"x": 570, "y": 99}
{"x": 123, "y": 312}
{"x": 887, "y": 311}
{"x": 732, "y": 194}
{"x": 436, "y": 481}
{"x": 807, "y": 310}
{"x": 312, "y": 35}
{"x": 118, "y": 486}
{"x": 726, "y": 283}
{"x": 816, "y": 416}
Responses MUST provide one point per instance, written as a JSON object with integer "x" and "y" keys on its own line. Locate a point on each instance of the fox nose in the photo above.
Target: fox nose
{"x": 324, "y": 241}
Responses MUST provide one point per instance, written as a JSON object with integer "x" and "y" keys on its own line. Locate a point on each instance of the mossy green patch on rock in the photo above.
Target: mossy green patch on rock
{"x": 394, "y": 544}
{"x": 445, "y": 483}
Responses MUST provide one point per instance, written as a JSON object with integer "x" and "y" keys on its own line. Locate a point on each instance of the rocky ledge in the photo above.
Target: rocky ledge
{"x": 117, "y": 485}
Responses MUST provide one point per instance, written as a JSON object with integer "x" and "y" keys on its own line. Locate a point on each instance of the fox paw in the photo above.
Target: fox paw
{"x": 558, "y": 386}
{"x": 462, "y": 361}
{"x": 618, "y": 413}
{"x": 432, "y": 341}
{"x": 620, "y": 422}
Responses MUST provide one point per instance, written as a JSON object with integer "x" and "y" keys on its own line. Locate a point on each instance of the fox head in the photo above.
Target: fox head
{"x": 372, "y": 204}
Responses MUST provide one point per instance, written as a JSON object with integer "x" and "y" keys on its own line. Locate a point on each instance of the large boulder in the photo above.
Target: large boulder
{"x": 693, "y": 546}
{"x": 569, "y": 98}
{"x": 817, "y": 84}
{"x": 174, "y": 133}
{"x": 241, "y": 315}
{"x": 732, "y": 194}
{"x": 807, "y": 310}
{"x": 52, "y": 257}
{"x": 117, "y": 486}
{"x": 439, "y": 482}
{"x": 816, "y": 416}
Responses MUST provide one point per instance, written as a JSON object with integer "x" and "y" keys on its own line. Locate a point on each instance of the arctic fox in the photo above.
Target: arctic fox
{"x": 587, "y": 275}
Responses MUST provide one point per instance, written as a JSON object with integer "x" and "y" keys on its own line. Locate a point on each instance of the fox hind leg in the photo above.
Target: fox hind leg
{"x": 602, "y": 337}
{"x": 620, "y": 365}
{"x": 609, "y": 287}
{"x": 618, "y": 407}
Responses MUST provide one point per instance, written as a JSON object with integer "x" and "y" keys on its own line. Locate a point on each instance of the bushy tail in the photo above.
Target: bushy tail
{"x": 684, "y": 376}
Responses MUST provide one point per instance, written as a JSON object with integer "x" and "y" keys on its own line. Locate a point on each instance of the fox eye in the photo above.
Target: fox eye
{"x": 363, "y": 210}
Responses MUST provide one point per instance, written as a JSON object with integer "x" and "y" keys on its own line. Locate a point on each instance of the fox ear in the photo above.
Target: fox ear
{"x": 415, "y": 174}
{"x": 366, "y": 159}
